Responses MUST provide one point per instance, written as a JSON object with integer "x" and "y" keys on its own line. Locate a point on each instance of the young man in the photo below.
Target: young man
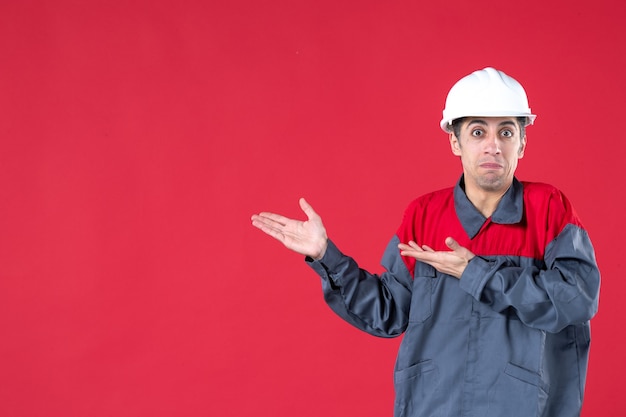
{"x": 493, "y": 282}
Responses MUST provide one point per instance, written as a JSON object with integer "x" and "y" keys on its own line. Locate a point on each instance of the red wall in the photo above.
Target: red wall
{"x": 137, "y": 138}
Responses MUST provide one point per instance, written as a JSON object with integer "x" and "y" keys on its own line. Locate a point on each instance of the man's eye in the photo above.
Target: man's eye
{"x": 507, "y": 133}
{"x": 477, "y": 133}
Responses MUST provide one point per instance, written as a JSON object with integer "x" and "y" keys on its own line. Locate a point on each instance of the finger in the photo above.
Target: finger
{"x": 422, "y": 256}
{"x": 272, "y": 217}
{"x": 258, "y": 218}
{"x": 265, "y": 222}
{"x": 410, "y": 252}
{"x": 404, "y": 247}
{"x": 269, "y": 230}
{"x": 415, "y": 246}
{"x": 276, "y": 234}
{"x": 427, "y": 248}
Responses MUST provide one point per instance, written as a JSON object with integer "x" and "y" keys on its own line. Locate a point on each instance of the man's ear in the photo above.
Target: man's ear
{"x": 455, "y": 146}
{"x": 522, "y": 148}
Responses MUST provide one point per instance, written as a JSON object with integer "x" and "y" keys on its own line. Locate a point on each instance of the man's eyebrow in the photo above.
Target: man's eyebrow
{"x": 477, "y": 121}
{"x": 507, "y": 123}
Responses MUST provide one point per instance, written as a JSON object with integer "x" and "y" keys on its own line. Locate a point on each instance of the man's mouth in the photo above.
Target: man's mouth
{"x": 491, "y": 165}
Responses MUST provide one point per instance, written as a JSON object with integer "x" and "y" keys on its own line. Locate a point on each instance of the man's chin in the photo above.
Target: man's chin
{"x": 492, "y": 184}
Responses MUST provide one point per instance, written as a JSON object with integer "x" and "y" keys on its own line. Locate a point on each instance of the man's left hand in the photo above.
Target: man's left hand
{"x": 452, "y": 262}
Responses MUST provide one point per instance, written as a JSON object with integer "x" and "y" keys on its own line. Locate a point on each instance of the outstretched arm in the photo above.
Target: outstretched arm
{"x": 377, "y": 304}
{"x": 307, "y": 238}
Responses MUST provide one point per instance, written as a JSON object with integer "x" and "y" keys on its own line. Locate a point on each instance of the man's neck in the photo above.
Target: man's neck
{"x": 485, "y": 202}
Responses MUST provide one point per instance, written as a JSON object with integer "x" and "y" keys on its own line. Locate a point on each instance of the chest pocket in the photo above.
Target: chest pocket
{"x": 421, "y": 298}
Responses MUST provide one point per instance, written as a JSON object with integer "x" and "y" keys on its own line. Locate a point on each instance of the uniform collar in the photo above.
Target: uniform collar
{"x": 509, "y": 210}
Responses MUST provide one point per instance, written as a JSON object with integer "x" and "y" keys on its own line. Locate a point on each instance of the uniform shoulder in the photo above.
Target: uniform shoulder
{"x": 540, "y": 188}
{"x": 539, "y": 195}
{"x": 533, "y": 185}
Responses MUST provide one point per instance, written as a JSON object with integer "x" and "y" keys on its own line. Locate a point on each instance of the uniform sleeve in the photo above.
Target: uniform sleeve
{"x": 563, "y": 293}
{"x": 376, "y": 304}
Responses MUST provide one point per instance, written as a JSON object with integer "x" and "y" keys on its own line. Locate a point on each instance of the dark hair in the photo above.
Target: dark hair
{"x": 456, "y": 126}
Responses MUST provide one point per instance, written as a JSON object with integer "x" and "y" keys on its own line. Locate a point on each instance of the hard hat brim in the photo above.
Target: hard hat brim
{"x": 446, "y": 122}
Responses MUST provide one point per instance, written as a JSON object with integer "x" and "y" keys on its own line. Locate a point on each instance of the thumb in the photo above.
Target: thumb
{"x": 452, "y": 244}
{"x": 307, "y": 208}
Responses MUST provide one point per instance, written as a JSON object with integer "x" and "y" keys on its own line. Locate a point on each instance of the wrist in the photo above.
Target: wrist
{"x": 322, "y": 250}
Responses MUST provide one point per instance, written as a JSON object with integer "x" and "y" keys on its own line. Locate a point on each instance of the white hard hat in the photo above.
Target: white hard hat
{"x": 489, "y": 93}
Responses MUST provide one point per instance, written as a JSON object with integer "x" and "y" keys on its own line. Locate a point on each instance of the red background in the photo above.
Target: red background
{"x": 137, "y": 138}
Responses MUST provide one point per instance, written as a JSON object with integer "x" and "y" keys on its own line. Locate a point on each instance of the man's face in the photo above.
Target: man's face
{"x": 489, "y": 148}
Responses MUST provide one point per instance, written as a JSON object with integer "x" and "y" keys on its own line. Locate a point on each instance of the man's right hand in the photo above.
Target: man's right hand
{"x": 304, "y": 237}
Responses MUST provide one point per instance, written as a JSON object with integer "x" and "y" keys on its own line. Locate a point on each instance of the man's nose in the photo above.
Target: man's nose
{"x": 492, "y": 144}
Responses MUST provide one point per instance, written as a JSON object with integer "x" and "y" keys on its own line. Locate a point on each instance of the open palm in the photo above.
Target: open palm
{"x": 304, "y": 237}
